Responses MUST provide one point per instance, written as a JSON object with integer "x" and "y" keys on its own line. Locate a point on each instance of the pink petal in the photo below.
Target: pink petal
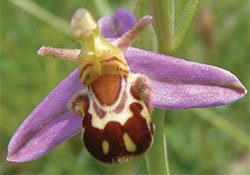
{"x": 117, "y": 24}
{"x": 180, "y": 84}
{"x": 51, "y": 110}
{"x": 44, "y": 139}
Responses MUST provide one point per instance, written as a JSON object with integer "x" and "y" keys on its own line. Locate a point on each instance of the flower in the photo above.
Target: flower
{"x": 177, "y": 84}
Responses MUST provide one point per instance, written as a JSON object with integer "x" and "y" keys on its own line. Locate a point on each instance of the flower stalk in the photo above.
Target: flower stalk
{"x": 156, "y": 158}
{"x": 163, "y": 15}
{"x": 163, "y": 23}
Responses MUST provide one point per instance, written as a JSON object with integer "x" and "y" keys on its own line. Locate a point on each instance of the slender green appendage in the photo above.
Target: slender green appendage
{"x": 185, "y": 22}
{"x": 156, "y": 158}
{"x": 223, "y": 125}
{"x": 43, "y": 14}
{"x": 163, "y": 22}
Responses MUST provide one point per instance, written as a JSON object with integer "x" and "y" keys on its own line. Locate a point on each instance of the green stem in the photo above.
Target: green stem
{"x": 163, "y": 22}
{"x": 43, "y": 14}
{"x": 223, "y": 125}
{"x": 185, "y": 22}
{"x": 156, "y": 158}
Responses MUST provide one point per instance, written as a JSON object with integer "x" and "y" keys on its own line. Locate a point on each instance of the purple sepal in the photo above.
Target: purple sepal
{"x": 115, "y": 25}
{"x": 181, "y": 84}
{"x": 44, "y": 139}
{"x": 50, "y": 113}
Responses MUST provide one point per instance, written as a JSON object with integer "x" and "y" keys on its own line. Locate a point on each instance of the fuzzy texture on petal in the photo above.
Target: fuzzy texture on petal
{"x": 115, "y": 25}
{"x": 49, "y": 124}
{"x": 181, "y": 84}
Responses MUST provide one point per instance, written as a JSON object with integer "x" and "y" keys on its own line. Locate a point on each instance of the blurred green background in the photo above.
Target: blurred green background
{"x": 200, "y": 141}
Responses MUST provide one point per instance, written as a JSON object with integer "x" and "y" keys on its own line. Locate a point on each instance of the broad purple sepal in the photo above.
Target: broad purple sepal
{"x": 49, "y": 124}
{"x": 181, "y": 84}
{"x": 115, "y": 25}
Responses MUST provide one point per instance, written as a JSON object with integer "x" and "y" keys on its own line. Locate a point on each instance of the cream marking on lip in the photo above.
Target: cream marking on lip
{"x": 124, "y": 115}
{"x": 105, "y": 147}
{"x": 129, "y": 144}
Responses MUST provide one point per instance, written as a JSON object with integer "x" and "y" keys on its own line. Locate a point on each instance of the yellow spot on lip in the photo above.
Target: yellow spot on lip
{"x": 129, "y": 144}
{"x": 105, "y": 147}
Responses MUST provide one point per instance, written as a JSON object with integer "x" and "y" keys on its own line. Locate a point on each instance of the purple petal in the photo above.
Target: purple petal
{"x": 45, "y": 138}
{"x": 180, "y": 84}
{"x": 117, "y": 24}
{"x": 48, "y": 125}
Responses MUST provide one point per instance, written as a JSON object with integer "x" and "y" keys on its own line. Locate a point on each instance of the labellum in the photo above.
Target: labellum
{"x": 115, "y": 107}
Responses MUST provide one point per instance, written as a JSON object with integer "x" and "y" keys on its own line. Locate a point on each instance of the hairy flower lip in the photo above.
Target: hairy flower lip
{"x": 173, "y": 88}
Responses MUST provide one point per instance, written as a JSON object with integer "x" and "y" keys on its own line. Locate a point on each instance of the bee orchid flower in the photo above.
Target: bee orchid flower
{"x": 159, "y": 80}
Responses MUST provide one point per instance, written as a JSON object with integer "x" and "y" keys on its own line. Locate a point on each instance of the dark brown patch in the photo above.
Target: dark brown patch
{"x": 106, "y": 88}
{"x": 82, "y": 102}
{"x": 101, "y": 113}
{"x": 135, "y": 93}
{"x": 142, "y": 90}
{"x": 136, "y": 127}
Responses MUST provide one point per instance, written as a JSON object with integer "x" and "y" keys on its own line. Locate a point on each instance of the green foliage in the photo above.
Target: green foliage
{"x": 195, "y": 145}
